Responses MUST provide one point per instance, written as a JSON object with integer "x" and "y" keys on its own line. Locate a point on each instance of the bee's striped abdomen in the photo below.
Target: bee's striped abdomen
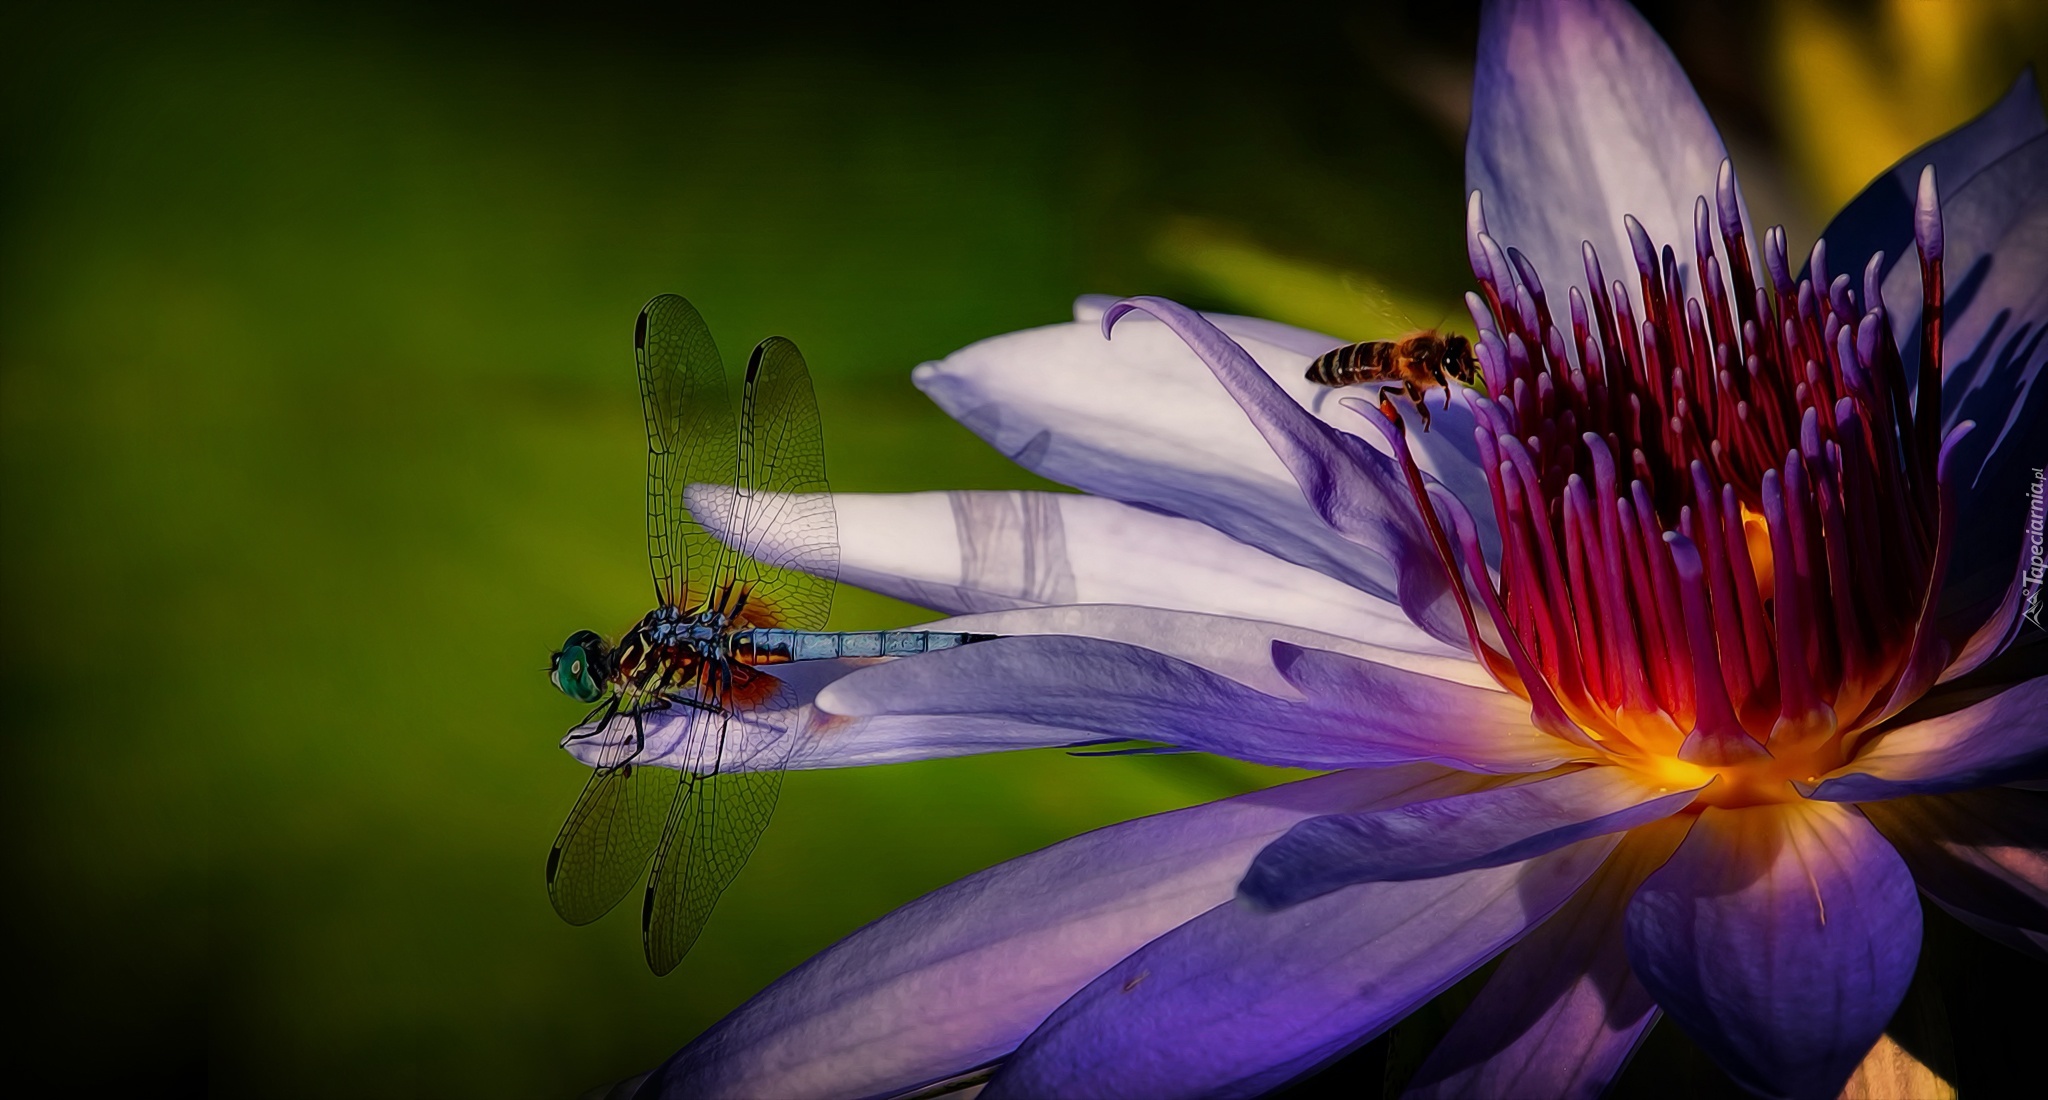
{"x": 1353, "y": 363}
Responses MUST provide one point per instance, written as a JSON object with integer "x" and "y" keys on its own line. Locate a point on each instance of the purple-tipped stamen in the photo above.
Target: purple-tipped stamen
{"x": 1719, "y": 506}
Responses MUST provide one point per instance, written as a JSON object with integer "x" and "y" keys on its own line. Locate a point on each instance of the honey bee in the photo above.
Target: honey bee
{"x": 1412, "y": 363}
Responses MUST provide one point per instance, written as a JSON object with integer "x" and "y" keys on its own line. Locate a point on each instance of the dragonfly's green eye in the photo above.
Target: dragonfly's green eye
{"x": 572, "y": 673}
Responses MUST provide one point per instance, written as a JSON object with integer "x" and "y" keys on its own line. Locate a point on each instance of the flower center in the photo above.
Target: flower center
{"x": 1722, "y": 504}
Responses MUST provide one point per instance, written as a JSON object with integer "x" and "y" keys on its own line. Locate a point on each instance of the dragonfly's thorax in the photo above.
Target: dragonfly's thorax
{"x": 703, "y": 631}
{"x": 666, "y": 649}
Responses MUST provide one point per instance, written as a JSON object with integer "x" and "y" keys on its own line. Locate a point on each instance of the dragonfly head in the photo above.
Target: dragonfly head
{"x": 581, "y": 667}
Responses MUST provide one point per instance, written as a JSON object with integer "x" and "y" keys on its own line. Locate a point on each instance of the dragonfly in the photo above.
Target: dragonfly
{"x": 697, "y": 668}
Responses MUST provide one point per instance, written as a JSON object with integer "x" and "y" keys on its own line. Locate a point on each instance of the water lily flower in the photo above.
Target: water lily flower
{"x": 1669, "y": 668}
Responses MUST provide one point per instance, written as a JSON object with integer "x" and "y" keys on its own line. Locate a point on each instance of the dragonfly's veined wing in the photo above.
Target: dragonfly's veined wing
{"x": 615, "y": 825}
{"x": 784, "y": 527}
{"x": 690, "y": 441}
{"x": 783, "y": 522}
{"x": 720, "y": 812}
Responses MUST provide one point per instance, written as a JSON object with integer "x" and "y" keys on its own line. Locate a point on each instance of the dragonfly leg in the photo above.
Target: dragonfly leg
{"x": 609, "y": 707}
{"x": 696, "y": 704}
{"x": 639, "y": 742}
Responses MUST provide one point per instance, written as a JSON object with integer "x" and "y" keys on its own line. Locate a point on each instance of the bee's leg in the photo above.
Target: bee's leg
{"x": 1437, "y": 371}
{"x": 1416, "y": 395}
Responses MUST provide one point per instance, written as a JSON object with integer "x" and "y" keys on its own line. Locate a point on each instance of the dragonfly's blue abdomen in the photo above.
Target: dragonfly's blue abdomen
{"x": 773, "y": 646}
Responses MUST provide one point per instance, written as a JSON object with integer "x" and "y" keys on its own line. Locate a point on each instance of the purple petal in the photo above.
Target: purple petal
{"x": 1358, "y": 491}
{"x": 1781, "y": 938}
{"x": 2023, "y": 940}
{"x": 800, "y": 737}
{"x": 1412, "y": 709}
{"x": 1486, "y": 828}
{"x": 1562, "y": 1014}
{"x": 1237, "y": 1002}
{"x": 1119, "y": 690}
{"x": 1880, "y": 219}
{"x": 1996, "y": 740}
{"x": 963, "y": 552}
{"x": 1995, "y": 343}
{"x": 2000, "y": 628}
{"x": 1979, "y": 852}
{"x": 794, "y": 733}
{"x": 1241, "y": 649}
{"x": 1580, "y": 115}
{"x": 1141, "y": 420}
{"x": 958, "y": 977}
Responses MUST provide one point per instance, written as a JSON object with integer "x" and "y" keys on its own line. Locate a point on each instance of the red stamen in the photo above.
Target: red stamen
{"x": 1717, "y": 737}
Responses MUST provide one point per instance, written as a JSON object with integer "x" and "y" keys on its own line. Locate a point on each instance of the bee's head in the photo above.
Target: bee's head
{"x": 1459, "y": 362}
{"x": 581, "y": 667}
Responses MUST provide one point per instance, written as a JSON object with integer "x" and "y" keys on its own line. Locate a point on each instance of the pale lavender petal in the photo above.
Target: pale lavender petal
{"x": 1358, "y": 491}
{"x": 1781, "y": 938}
{"x": 1241, "y": 649}
{"x": 1580, "y": 115}
{"x": 798, "y": 736}
{"x": 1237, "y": 1002}
{"x": 1880, "y": 219}
{"x": 1141, "y": 420}
{"x": 1486, "y": 828}
{"x": 958, "y": 977}
{"x": 1992, "y": 741}
{"x": 1446, "y": 452}
{"x": 1119, "y": 690}
{"x": 1981, "y": 852}
{"x": 1562, "y": 1013}
{"x": 964, "y": 552}
{"x": 793, "y": 733}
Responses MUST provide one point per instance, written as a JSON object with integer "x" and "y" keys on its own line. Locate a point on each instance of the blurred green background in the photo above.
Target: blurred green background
{"x": 319, "y": 430}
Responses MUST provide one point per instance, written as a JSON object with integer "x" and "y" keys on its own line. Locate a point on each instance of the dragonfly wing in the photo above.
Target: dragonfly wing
{"x": 690, "y": 440}
{"x": 786, "y": 526}
{"x": 614, "y": 827}
{"x": 788, "y": 541}
{"x": 711, "y": 831}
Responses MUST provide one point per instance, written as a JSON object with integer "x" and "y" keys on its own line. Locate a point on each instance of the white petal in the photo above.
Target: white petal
{"x": 1141, "y": 419}
{"x": 985, "y": 551}
{"x": 1580, "y": 115}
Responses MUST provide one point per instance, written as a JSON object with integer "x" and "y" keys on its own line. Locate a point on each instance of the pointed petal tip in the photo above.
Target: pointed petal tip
{"x": 1116, "y": 313}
